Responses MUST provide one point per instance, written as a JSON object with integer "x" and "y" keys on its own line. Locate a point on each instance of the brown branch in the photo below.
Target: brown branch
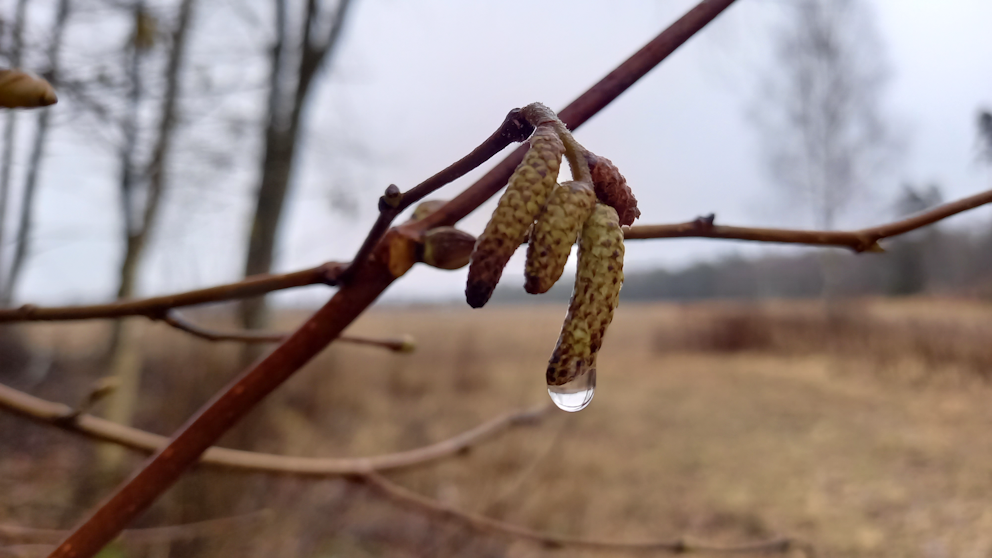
{"x": 485, "y": 524}
{"x": 864, "y": 240}
{"x": 370, "y": 278}
{"x": 17, "y": 535}
{"x": 180, "y": 322}
{"x": 326, "y": 274}
{"x": 580, "y": 110}
{"x": 513, "y": 129}
{"x": 56, "y": 414}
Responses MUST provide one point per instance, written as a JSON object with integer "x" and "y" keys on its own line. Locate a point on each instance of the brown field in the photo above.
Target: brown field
{"x": 864, "y": 430}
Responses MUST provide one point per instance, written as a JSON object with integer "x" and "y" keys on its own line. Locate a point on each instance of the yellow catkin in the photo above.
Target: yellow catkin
{"x": 523, "y": 200}
{"x": 596, "y": 294}
{"x": 555, "y": 232}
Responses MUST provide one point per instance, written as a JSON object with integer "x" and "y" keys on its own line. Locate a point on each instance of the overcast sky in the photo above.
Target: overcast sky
{"x": 418, "y": 84}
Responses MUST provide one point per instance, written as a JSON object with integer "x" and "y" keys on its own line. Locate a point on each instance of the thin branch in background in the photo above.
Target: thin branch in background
{"x": 863, "y": 240}
{"x": 180, "y": 322}
{"x": 371, "y": 277}
{"x": 421, "y": 504}
{"x": 56, "y": 414}
{"x": 17, "y": 535}
{"x": 326, "y": 274}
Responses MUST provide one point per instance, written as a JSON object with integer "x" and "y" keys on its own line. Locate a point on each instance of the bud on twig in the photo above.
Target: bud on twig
{"x": 20, "y": 89}
{"x": 447, "y": 248}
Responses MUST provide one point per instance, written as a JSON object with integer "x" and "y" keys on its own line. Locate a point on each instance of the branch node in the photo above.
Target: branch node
{"x": 515, "y": 127}
{"x": 705, "y": 222}
{"x": 99, "y": 390}
{"x": 390, "y": 201}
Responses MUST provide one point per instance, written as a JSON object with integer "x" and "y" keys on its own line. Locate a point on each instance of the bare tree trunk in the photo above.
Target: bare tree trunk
{"x": 34, "y": 166}
{"x": 10, "y": 130}
{"x": 281, "y": 136}
{"x": 125, "y": 360}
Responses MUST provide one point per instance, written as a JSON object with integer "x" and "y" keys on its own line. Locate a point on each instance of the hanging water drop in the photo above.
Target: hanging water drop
{"x": 576, "y": 394}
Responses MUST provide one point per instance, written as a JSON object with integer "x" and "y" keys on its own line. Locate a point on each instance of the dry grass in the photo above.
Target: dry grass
{"x": 863, "y": 429}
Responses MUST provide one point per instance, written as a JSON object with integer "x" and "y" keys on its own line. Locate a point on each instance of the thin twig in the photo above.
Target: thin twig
{"x": 14, "y": 534}
{"x": 482, "y": 523}
{"x": 370, "y": 278}
{"x": 53, "y": 414}
{"x": 513, "y": 129}
{"x": 579, "y": 111}
{"x": 702, "y": 227}
{"x": 180, "y": 322}
{"x": 326, "y": 274}
{"x": 864, "y": 240}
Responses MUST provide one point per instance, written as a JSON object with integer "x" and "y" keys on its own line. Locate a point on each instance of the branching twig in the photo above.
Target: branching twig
{"x": 326, "y": 274}
{"x": 864, "y": 240}
{"x": 180, "y": 322}
{"x": 368, "y": 280}
{"x": 486, "y": 524}
{"x": 50, "y": 413}
{"x": 513, "y": 129}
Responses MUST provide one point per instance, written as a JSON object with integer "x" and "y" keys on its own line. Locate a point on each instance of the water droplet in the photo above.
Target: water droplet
{"x": 575, "y": 395}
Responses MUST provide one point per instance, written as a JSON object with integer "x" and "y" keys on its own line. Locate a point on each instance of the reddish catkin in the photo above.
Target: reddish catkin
{"x": 612, "y": 189}
{"x": 523, "y": 200}
{"x": 595, "y": 296}
{"x": 555, "y": 232}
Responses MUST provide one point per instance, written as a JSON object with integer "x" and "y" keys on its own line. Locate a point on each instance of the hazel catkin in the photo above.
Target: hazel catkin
{"x": 524, "y": 198}
{"x": 595, "y": 296}
{"x": 554, "y": 233}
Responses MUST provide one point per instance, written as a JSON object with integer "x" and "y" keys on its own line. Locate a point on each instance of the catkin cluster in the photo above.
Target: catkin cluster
{"x": 554, "y": 216}
{"x": 524, "y": 198}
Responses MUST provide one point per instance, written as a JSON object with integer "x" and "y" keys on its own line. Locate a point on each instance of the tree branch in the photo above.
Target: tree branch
{"x": 54, "y": 414}
{"x": 14, "y": 534}
{"x": 514, "y": 129}
{"x": 482, "y": 523}
{"x": 180, "y": 322}
{"x": 370, "y": 278}
{"x": 326, "y": 274}
{"x": 864, "y": 240}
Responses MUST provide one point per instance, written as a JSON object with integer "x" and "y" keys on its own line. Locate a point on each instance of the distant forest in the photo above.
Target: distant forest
{"x": 928, "y": 261}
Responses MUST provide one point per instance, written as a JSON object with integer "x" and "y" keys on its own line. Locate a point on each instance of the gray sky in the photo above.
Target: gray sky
{"x": 417, "y": 85}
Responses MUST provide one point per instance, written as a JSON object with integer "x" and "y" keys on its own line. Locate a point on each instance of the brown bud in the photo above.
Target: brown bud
{"x": 19, "y": 89}
{"x": 447, "y": 248}
{"x": 612, "y": 188}
{"x": 424, "y": 209}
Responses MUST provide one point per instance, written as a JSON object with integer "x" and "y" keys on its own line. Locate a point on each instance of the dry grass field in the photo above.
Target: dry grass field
{"x": 863, "y": 429}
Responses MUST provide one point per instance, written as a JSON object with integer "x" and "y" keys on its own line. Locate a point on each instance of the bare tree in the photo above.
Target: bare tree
{"x": 985, "y": 134}
{"x": 819, "y": 111}
{"x": 14, "y": 56}
{"x": 139, "y": 217}
{"x": 42, "y": 126}
{"x": 292, "y": 75}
